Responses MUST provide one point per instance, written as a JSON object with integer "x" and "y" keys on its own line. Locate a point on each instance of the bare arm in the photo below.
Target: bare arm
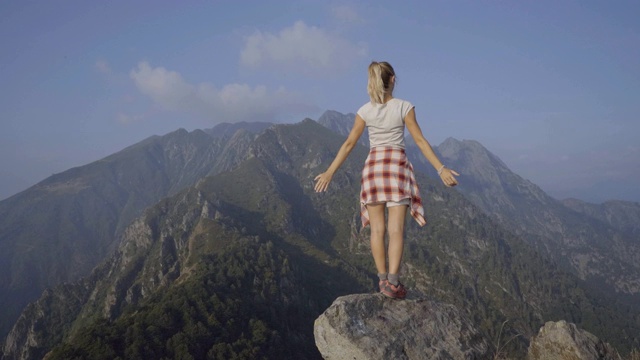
{"x": 323, "y": 180}
{"x": 446, "y": 175}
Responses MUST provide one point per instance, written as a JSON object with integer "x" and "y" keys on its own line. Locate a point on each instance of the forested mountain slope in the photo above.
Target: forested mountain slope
{"x": 61, "y": 228}
{"x": 242, "y": 263}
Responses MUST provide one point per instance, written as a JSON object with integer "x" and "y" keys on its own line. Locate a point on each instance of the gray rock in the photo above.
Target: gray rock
{"x": 565, "y": 341}
{"x": 370, "y": 326}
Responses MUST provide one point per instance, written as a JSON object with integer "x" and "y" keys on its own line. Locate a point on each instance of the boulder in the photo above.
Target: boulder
{"x": 565, "y": 341}
{"x": 371, "y": 326}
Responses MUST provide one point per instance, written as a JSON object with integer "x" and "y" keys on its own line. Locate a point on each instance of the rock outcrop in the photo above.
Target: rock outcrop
{"x": 565, "y": 341}
{"x": 370, "y": 326}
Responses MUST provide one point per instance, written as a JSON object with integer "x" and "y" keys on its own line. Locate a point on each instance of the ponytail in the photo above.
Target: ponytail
{"x": 380, "y": 74}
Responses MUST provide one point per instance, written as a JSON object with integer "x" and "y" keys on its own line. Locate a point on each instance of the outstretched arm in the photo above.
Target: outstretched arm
{"x": 446, "y": 175}
{"x": 323, "y": 180}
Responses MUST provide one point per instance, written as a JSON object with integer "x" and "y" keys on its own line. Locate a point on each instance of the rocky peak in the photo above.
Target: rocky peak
{"x": 225, "y": 130}
{"x": 338, "y": 122}
{"x": 451, "y": 146}
{"x": 472, "y": 153}
{"x": 341, "y": 124}
{"x": 371, "y": 326}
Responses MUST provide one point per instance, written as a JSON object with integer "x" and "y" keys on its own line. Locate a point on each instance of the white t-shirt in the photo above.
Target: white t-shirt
{"x": 386, "y": 122}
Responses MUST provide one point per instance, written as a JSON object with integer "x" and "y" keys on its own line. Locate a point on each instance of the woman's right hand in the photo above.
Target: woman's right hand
{"x": 322, "y": 181}
{"x": 448, "y": 177}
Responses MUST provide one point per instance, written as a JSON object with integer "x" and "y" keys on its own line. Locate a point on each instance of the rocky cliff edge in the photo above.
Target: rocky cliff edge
{"x": 371, "y": 326}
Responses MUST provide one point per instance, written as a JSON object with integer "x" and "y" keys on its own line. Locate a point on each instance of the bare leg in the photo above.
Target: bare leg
{"x": 396, "y": 236}
{"x": 376, "y": 218}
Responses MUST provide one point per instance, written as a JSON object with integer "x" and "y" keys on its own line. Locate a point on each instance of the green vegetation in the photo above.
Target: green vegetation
{"x": 244, "y": 303}
{"x": 60, "y": 229}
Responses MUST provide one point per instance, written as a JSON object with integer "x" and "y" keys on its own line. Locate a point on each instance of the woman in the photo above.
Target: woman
{"x": 387, "y": 178}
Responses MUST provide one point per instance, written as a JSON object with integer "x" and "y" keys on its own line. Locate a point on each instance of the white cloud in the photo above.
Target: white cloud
{"x": 166, "y": 88}
{"x": 231, "y": 103}
{"x": 302, "y": 48}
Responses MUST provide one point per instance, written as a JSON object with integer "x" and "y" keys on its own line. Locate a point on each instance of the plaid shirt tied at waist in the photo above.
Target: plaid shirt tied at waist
{"x": 388, "y": 176}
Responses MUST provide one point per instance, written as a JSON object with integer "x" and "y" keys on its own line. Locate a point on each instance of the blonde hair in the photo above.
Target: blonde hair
{"x": 380, "y": 74}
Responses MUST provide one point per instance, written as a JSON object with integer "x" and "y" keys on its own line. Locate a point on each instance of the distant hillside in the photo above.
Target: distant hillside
{"x": 622, "y": 215}
{"x": 241, "y": 263}
{"x": 61, "y": 228}
{"x": 597, "y": 251}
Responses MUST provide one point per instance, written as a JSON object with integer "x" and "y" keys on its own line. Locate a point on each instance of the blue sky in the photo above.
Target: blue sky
{"x": 551, "y": 87}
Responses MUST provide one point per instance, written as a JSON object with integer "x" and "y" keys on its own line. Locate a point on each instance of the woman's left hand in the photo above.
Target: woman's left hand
{"x": 448, "y": 177}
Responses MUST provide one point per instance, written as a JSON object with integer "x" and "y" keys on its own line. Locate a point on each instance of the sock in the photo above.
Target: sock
{"x": 382, "y": 276}
{"x": 393, "y": 279}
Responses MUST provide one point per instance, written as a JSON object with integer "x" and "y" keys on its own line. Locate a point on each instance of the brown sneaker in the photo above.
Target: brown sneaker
{"x": 392, "y": 291}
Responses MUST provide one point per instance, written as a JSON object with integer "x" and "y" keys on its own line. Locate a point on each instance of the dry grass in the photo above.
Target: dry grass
{"x": 500, "y": 355}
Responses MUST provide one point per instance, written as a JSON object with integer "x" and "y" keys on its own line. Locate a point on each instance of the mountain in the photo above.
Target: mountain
{"x": 341, "y": 124}
{"x": 226, "y": 130}
{"x": 602, "y": 248}
{"x": 60, "y": 229}
{"x": 622, "y": 215}
{"x": 597, "y": 251}
{"x": 242, "y": 262}
{"x": 607, "y": 190}
{"x": 240, "y": 208}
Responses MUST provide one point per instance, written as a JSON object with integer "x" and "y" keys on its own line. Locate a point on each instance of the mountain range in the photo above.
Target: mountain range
{"x": 602, "y": 247}
{"x": 213, "y": 243}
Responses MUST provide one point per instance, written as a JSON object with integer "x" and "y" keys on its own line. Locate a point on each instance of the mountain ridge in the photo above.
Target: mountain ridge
{"x": 623, "y": 215}
{"x": 595, "y": 248}
{"x": 462, "y": 257}
{"x": 80, "y": 213}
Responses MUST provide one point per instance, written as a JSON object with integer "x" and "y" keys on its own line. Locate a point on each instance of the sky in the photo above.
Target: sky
{"x": 550, "y": 87}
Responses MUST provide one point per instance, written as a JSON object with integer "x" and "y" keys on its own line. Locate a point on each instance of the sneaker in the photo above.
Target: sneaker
{"x": 392, "y": 291}
{"x": 382, "y": 284}
{"x": 402, "y": 291}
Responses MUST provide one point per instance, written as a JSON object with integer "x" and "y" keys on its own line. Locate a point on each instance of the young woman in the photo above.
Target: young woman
{"x": 387, "y": 178}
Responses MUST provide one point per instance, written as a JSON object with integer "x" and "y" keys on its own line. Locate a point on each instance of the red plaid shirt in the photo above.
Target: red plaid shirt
{"x": 388, "y": 176}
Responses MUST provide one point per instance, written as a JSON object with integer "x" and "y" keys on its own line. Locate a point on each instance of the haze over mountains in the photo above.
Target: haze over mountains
{"x": 240, "y": 197}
